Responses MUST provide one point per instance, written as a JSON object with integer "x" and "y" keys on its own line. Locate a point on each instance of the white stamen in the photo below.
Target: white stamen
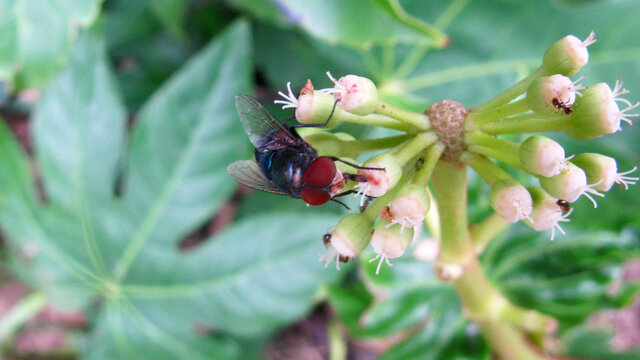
{"x": 575, "y": 87}
{"x": 290, "y": 100}
{"x": 329, "y": 256}
{"x": 625, "y": 117}
{"x": 618, "y": 90}
{"x": 382, "y": 258}
{"x": 403, "y": 221}
{"x": 590, "y": 190}
{"x": 590, "y": 39}
{"x": 563, "y": 218}
{"x": 338, "y": 88}
{"x": 363, "y": 189}
{"x": 566, "y": 161}
{"x": 625, "y": 181}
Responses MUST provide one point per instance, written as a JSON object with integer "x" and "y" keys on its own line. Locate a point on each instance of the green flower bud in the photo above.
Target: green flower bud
{"x": 552, "y": 94}
{"x": 595, "y": 114}
{"x": 601, "y": 170}
{"x": 568, "y": 185}
{"x": 352, "y": 234}
{"x": 409, "y": 206}
{"x": 546, "y": 212}
{"x": 389, "y": 241}
{"x": 510, "y": 200}
{"x": 314, "y": 107}
{"x": 380, "y": 181}
{"x": 356, "y": 94}
{"x": 540, "y": 155}
{"x": 568, "y": 55}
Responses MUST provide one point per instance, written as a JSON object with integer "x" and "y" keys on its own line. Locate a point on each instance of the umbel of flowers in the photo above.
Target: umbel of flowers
{"x": 431, "y": 155}
{"x": 546, "y": 100}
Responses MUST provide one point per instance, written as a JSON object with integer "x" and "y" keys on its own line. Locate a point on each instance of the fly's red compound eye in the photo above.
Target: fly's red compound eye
{"x": 315, "y": 196}
{"x": 320, "y": 173}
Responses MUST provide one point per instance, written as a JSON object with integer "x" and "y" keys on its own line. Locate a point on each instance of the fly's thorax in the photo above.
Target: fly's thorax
{"x": 285, "y": 167}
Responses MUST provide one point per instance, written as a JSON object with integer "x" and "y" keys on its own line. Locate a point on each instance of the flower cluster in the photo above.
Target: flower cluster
{"x": 547, "y": 100}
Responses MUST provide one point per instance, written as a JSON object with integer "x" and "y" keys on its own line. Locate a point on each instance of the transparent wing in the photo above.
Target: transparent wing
{"x": 248, "y": 172}
{"x": 263, "y": 129}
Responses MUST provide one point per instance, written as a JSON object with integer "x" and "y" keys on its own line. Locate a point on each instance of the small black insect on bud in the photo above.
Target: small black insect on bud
{"x": 564, "y": 205}
{"x": 326, "y": 239}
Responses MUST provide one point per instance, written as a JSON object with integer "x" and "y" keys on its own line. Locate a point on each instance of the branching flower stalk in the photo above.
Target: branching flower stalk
{"x": 437, "y": 148}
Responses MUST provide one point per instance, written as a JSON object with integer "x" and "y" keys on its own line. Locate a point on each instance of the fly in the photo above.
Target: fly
{"x": 284, "y": 163}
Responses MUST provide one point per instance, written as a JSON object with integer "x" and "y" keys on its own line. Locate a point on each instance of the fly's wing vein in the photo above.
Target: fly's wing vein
{"x": 248, "y": 172}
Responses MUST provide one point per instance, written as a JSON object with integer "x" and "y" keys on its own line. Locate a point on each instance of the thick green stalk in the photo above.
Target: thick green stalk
{"x": 450, "y": 190}
{"x": 482, "y": 302}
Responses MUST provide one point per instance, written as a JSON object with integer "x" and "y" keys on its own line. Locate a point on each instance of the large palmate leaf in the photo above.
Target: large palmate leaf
{"x": 567, "y": 278}
{"x": 116, "y": 211}
{"x": 37, "y": 36}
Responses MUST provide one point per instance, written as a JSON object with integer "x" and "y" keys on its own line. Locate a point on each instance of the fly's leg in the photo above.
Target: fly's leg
{"x": 333, "y": 109}
{"x": 356, "y": 166}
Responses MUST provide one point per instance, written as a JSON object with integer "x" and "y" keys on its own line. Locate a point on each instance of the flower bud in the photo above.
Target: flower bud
{"x": 314, "y": 107}
{"x": 510, "y": 200}
{"x": 389, "y": 241}
{"x": 546, "y": 212}
{"x": 568, "y": 55}
{"x": 409, "y": 206}
{"x": 596, "y": 114}
{"x": 356, "y": 94}
{"x": 568, "y": 185}
{"x": 325, "y": 143}
{"x": 540, "y": 155}
{"x": 600, "y": 169}
{"x": 380, "y": 181}
{"x": 352, "y": 234}
{"x": 551, "y": 94}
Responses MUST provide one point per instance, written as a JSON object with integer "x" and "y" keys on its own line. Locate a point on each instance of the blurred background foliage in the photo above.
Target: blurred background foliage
{"x": 115, "y": 202}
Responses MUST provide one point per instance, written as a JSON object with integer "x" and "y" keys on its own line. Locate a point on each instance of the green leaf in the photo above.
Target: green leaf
{"x": 37, "y": 36}
{"x": 79, "y": 128}
{"x": 172, "y": 14}
{"x": 566, "y": 278}
{"x": 121, "y": 253}
{"x": 356, "y": 23}
{"x": 236, "y": 282}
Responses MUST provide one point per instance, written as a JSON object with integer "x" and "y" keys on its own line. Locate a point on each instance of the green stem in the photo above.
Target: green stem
{"x": 417, "y": 120}
{"x": 376, "y": 120}
{"x": 485, "y": 231}
{"x": 20, "y": 313}
{"x": 337, "y": 343}
{"x": 480, "y": 138}
{"x": 510, "y": 109}
{"x": 511, "y": 93}
{"x": 415, "y": 146}
{"x": 527, "y": 320}
{"x": 527, "y": 123}
{"x": 367, "y": 145}
{"x": 504, "y": 157}
{"x": 431, "y": 158}
{"x": 487, "y": 169}
{"x": 508, "y": 342}
{"x": 432, "y": 220}
{"x": 439, "y": 38}
{"x": 450, "y": 190}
